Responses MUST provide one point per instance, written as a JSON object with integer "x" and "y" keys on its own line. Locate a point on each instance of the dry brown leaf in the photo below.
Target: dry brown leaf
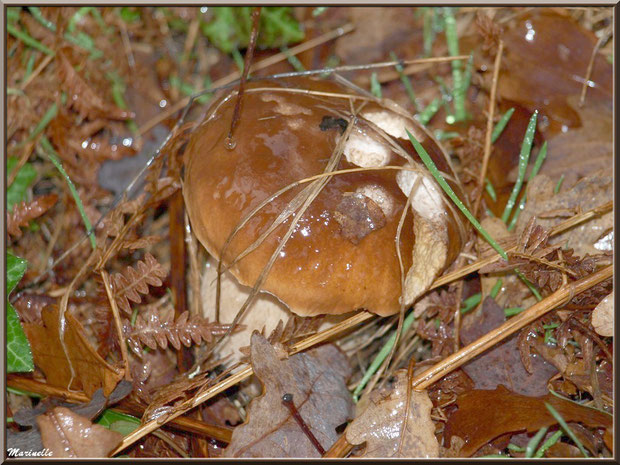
{"x": 582, "y": 151}
{"x": 82, "y": 97}
{"x": 485, "y": 415}
{"x": 67, "y": 434}
{"x": 603, "y": 316}
{"x": 316, "y": 380}
{"x": 502, "y": 363}
{"x": 386, "y": 431}
{"x": 588, "y": 193}
{"x": 91, "y": 371}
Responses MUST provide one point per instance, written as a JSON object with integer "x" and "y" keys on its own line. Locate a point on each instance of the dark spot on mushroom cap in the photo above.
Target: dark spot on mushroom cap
{"x": 331, "y": 122}
{"x": 358, "y": 216}
{"x": 320, "y": 269}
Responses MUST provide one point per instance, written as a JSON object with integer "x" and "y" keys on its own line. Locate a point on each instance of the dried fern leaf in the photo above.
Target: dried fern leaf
{"x": 153, "y": 331}
{"x": 136, "y": 280}
{"x": 87, "y": 102}
{"x": 24, "y": 212}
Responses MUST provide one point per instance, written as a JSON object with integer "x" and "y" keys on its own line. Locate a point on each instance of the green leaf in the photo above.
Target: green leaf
{"x": 230, "y": 27}
{"x": 119, "y": 422}
{"x": 18, "y": 353}
{"x": 17, "y": 191}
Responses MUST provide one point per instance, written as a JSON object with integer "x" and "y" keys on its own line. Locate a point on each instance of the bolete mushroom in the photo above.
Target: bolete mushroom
{"x": 342, "y": 253}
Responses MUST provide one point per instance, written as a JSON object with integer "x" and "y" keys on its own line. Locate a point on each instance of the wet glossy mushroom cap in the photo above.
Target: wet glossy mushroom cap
{"x": 342, "y": 254}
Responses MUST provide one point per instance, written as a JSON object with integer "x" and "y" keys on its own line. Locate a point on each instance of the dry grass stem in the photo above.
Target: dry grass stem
{"x": 279, "y": 57}
{"x": 117, "y": 321}
{"x": 245, "y": 373}
{"x": 557, "y": 229}
{"x": 489, "y": 131}
{"x": 561, "y": 296}
{"x": 584, "y": 88}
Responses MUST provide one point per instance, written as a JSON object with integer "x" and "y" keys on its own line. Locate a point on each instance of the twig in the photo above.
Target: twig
{"x": 249, "y": 54}
{"x": 555, "y": 230}
{"x": 211, "y": 392}
{"x": 37, "y": 71}
{"x": 489, "y": 132}
{"x": 339, "y": 449}
{"x": 182, "y": 423}
{"x": 117, "y": 321}
{"x": 422, "y": 381}
{"x": 559, "y": 297}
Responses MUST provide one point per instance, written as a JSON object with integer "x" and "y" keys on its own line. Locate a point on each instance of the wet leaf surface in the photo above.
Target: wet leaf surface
{"x": 316, "y": 380}
{"x": 67, "y": 434}
{"x": 91, "y": 371}
{"x": 484, "y": 415}
{"x": 391, "y": 429}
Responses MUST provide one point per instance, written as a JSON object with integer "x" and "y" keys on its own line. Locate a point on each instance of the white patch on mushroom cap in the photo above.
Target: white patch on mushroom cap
{"x": 394, "y": 124}
{"x": 285, "y": 107}
{"x": 378, "y": 195}
{"x": 362, "y": 150}
{"x": 427, "y": 200}
{"x": 390, "y": 122}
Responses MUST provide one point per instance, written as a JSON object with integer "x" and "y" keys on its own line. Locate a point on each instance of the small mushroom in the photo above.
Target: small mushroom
{"x": 342, "y": 253}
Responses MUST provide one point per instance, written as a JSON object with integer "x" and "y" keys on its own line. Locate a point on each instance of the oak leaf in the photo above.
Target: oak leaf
{"x": 91, "y": 371}
{"x": 390, "y": 429}
{"x": 316, "y": 380}
{"x": 485, "y": 415}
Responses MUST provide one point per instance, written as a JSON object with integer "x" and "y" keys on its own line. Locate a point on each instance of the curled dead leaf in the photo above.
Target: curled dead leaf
{"x": 390, "y": 429}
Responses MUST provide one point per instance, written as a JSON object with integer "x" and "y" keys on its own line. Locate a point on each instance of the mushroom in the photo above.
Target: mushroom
{"x": 342, "y": 253}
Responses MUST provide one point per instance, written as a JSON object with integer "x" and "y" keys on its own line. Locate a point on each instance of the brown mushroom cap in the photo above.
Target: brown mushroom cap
{"x": 342, "y": 253}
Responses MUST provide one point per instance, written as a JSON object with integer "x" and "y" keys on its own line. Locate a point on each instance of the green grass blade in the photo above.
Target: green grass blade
{"x": 381, "y": 356}
{"x": 49, "y": 115}
{"x": 430, "y": 165}
{"x": 36, "y": 14}
{"x": 513, "y": 311}
{"x": 524, "y": 157}
{"x": 457, "y": 77}
{"x": 25, "y": 38}
{"x": 555, "y": 437}
{"x": 490, "y": 189}
{"x": 496, "y": 288}
{"x": 406, "y": 82}
{"x": 427, "y": 114}
{"x": 53, "y": 156}
{"x": 542, "y": 154}
{"x": 557, "y": 187}
{"x": 375, "y": 86}
{"x": 292, "y": 59}
{"x": 471, "y": 303}
{"x": 569, "y": 432}
{"x": 533, "y": 443}
{"x": 501, "y": 125}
